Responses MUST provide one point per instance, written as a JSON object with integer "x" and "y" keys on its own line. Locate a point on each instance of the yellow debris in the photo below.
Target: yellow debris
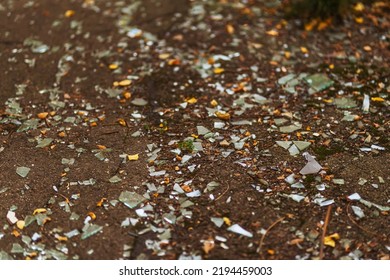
{"x": 133, "y": 157}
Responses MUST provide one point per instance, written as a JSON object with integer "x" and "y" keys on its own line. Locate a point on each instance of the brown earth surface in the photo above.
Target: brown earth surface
{"x": 162, "y": 130}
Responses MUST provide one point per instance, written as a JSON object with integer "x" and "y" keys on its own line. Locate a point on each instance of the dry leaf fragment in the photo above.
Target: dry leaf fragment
{"x": 227, "y": 221}
{"x": 367, "y": 48}
{"x": 222, "y": 116}
{"x": 191, "y": 100}
{"x": 186, "y": 188}
{"x": 164, "y": 55}
{"x": 377, "y": 99}
{"x": 124, "y": 83}
{"x": 174, "y": 62}
{"x": 359, "y": 7}
{"x": 20, "y": 224}
{"x": 113, "y": 66}
{"x": 330, "y": 240}
{"x": 214, "y": 103}
{"x": 133, "y": 157}
{"x": 101, "y": 201}
{"x": 69, "y": 13}
{"x": 101, "y": 147}
{"x": 208, "y": 245}
{"x": 126, "y": 95}
{"x": 122, "y": 122}
{"x": 219, "y": 70}
{"x": 39, "y": 210}
{"x": 230, "y": 28}
{"x": 304, "y": 50}
{"x": 43, "y": 115}
{"x": 359, "y": 20}
{"x": 92, "y": 215}
{"x": 272, "y": 32}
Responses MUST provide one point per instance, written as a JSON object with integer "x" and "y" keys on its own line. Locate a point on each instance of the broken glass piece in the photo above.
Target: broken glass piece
{"x": 293, "y": 150}
{"x": 11, "y": 217}
{"x": 158, "y": 173}
{"x": 285, "y": 79}
{"x": 239, "y": 230}
{"x": 311, "y": 167}
{"x": 22, "y": 171}
{"x": 302, "y": 145}
{"x": 350, "y": 118}
{"x": 358, "y": 211}
{"x": 202, "y": 130}
{"x": 338, "y": 181}
{"x": 366, "y": 103}
{"x": 72, "y": 233}
{"x": 44, "y": 142}
{"x": 345, "y": 102}
{"x": 29, "y": 125}
{"x": 370, "y": 204}
{"x": 131, "y": 199}
{"x": 195, "y": 193}
{"x": 296, "y": 197}
{"x": 298, "y": 185}
{"x": 284, "y": 144}
{"x": 17, "y": 248}
{"x": 115, "y": 179}
{"x": 290, "y": 128}
{"x": 319, "y": 81}
{"x": 5, "y": 256}
{"x": 139, "y": 102}
{"x": 89, "y": 230}
{"x": 217, "y": 221}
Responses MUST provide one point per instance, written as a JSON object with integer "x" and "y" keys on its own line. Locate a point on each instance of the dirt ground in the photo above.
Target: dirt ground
{"x": 193, "y": 130}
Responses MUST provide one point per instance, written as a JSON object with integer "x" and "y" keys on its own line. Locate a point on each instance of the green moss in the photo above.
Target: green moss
{"x": 187, "y": 145}
{"x": 322, "y": 152}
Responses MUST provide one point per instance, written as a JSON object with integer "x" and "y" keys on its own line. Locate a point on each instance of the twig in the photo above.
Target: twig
{"x": 265, "y": 233}
{"x": 356, "y": 224}
{"x": 223, "y": 193}
{"x": 327, "y": 217}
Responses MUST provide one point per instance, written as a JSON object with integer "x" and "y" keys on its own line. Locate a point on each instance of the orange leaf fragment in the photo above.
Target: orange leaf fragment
{"x": 230, "y": 28}
{"x": 208, "y": 245}
{"x": 43, "y": 115}
{"x": 133, "y": 157}
{"x": 101, "y": 201}
{"x": 186, "y": 188}
{"x": 222, "y": 116}
{"x": 219, "y": 70}
{"x": 122, "y": 122}
{"x": 377, "y": 99}
{"x": 359, "y": 20}
{"x": 124, "y": 83}
{"x": 113, "y": 66}
{"x": 359, "y": 7}
{"x": 126, "y": 95}
{"x": 227, "y": 221}
{"x": 272, "y": 32}
{"x": 101, "y": 147}
{"x": 304, "y": 50}
{"x": 214, "y": 103}
{"x": 61, "y": 238}
{"x": 20, "y": 224}
{"x": 330, "y": 240}
{"x": 191, "y": 100}
{"x": 92, "y": 215}
{"x": 69, "y": 13}
{"x": 39, "y": 210}
{"x": 310, "y": 25}
{"x": 164, "y": 55}
{"x": 173, "y": 62}
{"x": 367, "y": 48}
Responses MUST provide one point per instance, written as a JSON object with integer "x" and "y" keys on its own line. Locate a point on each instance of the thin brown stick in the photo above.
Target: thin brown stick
{"x": 265, "y": 233}
{"x": 327, "y": 218}
{"x": 223, "y": 193}
{"x": 356, "y": 224}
